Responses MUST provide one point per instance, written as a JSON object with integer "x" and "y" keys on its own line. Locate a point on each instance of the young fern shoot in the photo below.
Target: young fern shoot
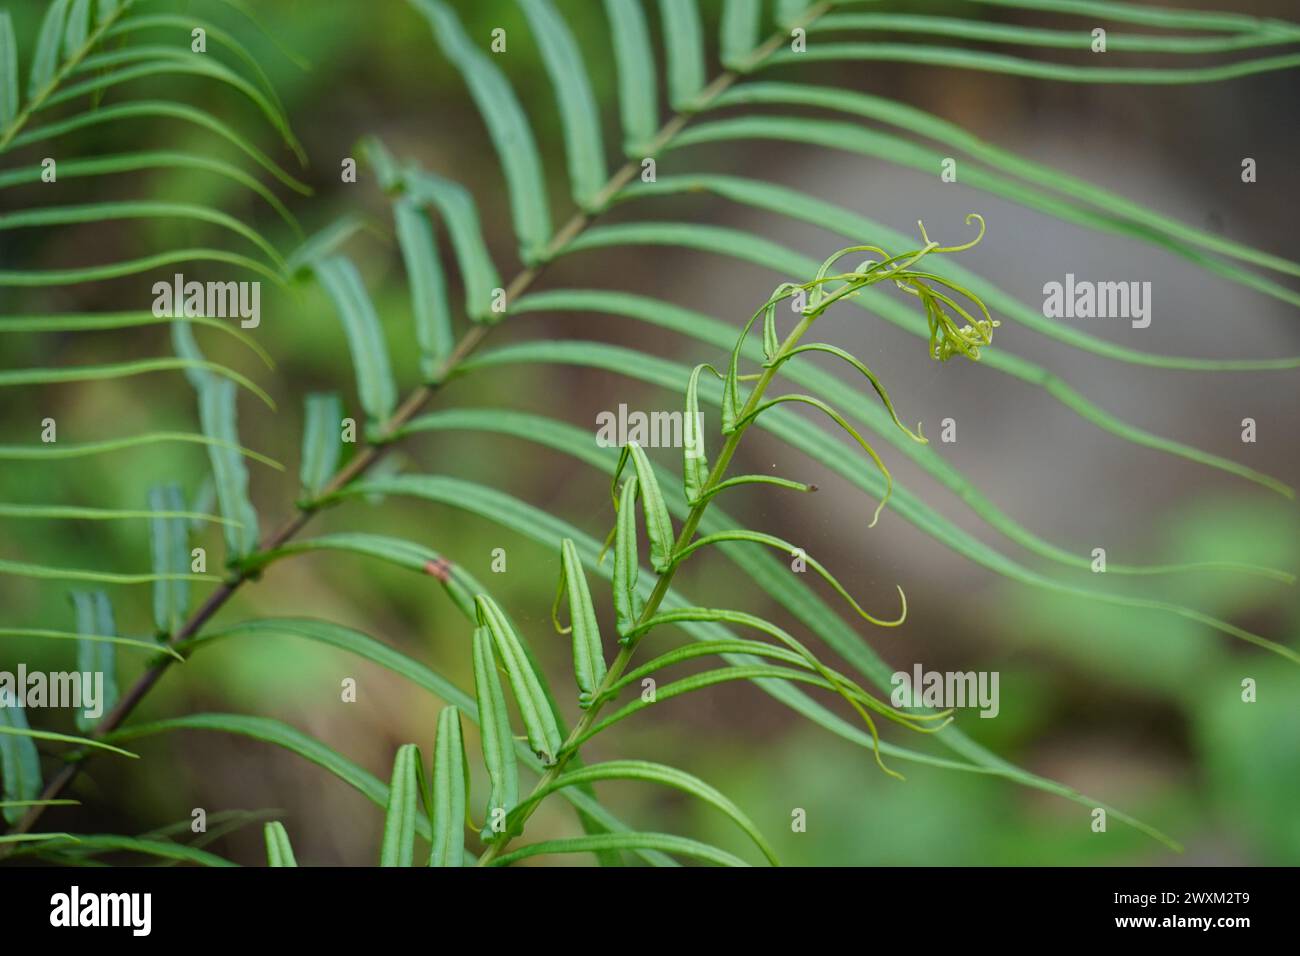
{"x": 636, "y": 616}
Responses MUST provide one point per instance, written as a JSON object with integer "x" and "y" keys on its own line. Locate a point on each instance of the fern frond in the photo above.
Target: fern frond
{"x": 153, "y": 647}
{"x": 593, "y": 843}
{"x": 823, "y": 447}
{"x": 654, "y": 773}
{"x": 20, "y": 764}
{"x": 574, "y": 99}
{"x": 740, "y": 245}
{"x": 94, "y": 615}
{"x": 449, "y": 792}
{"x": 76, "y": 55}
{"x": 407, "y": 795}
{"x": 159, "y": 849}
{"x": 637, "y": 80}
{"x": 347, "y": 639}
{"x": 279, "y": 734}
{"x": 170, "y": 546}
{"x": 1174, "y": 19}
{"x": 515, "y": 145}
{"x": 1114, "y": 214}
{"x": 768, "y": 574}
{"x": 1017, "y": 66}
{"x": 279, "y": 851}
{"x": 713, "y": 332}
{"x": 801, "y": 206}
{"x": 375, "y": 383}
{"x": 1014, "y": 35}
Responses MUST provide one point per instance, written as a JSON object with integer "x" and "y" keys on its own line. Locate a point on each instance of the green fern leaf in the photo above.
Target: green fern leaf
{"x": 684, "y": 42}
{"x": 406, "y": 796}
{"x": 637, "y": 84}
{"x": 375, "y": 383}
{"x": 449, "y": 792}
{"x": 20, "y": 765}
{"x": 577, "y": 104}
{"x": 279, "y": 851}
{"x": 507, "y": 125}
{"x": 94, "y": 616}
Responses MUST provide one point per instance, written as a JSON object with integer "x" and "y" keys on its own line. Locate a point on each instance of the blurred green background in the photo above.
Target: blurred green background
{"x": 1140, "y": 710}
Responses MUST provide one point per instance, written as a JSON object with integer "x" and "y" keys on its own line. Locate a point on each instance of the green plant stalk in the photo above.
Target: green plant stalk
{"x": 413, "y": 404}
{"x": 716, "y": 476}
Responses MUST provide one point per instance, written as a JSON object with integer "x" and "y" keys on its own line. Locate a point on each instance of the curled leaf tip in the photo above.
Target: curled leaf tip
{"x": 903, "y": 598}
{"x": 974, "y": 216}
{"x": 929, "y": 243}
{"x": 902, "y": 614}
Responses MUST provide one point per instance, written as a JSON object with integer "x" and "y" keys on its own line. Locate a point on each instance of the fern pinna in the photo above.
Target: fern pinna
{"x": 86, "y": 65}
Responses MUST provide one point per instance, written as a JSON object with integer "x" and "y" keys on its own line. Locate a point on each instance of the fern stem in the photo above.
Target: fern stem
{"x": 409, "y": 408}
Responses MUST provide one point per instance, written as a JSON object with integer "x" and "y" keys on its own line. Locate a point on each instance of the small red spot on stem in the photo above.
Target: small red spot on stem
{"x": 440, "y": 569}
